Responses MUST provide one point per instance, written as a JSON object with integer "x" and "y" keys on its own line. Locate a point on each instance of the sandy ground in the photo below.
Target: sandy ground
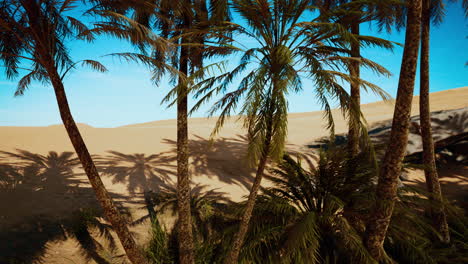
{"x": 146, "y": 156}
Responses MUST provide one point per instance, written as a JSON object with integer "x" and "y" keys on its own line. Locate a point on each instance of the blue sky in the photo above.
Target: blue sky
{"x": 125, "y": 94}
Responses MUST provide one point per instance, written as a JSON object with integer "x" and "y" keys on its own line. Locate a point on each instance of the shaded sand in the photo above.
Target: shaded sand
{"x": 453, "y": 179}
{"x": 34, "y": 221}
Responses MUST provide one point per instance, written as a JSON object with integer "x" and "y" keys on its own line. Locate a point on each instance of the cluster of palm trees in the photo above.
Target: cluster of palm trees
{"x": 292, "y": 42}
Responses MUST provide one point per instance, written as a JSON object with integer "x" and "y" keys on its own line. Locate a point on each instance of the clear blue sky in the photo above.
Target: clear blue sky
{"x": 125, "y": 94}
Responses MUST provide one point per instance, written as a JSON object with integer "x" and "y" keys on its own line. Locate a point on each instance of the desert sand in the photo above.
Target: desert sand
{"x": 147, "y": 157}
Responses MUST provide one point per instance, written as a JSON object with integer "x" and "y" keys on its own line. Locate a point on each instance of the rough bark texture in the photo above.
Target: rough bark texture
{"x": 233, "y": 255}
{"x": 430, "y": 170}
{"x": 119, "y": 225}
{"x": 386, "y": 189}
{"x": 354, "y": 72}
{"x": 186, "y": 253}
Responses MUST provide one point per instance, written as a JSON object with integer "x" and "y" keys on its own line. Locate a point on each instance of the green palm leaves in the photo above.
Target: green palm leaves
{"x": 288, "y": 45}
{"x": 288, "y": 50}
{"x": 24, "y": 39}
{"x": 303, "y": 214}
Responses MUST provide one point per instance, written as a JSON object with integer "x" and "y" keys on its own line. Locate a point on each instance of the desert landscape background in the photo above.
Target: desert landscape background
{"x": 136, "y": 158}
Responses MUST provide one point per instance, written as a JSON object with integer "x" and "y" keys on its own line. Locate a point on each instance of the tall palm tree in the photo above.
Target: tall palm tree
{"x": 432, "y": 12}
{"x": 352, "y": 20}
{"x": 286, "y": 48}
{"x": 351, "y": 14}
{"x": 390, "y": 171}
{"x": 35, "y": 31}
{"x": 189, "y": 25}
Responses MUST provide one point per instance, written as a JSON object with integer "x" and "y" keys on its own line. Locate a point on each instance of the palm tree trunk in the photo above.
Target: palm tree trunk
{"x": 391, "y": 165}
{"x": 233, "y": 255}
{"x": 430, "y": 171}
{"x": 354, "y": 72}
{"x": 186, "y": 253}
{"x": 110, "y": 210}
{"x": 354, "y": 121}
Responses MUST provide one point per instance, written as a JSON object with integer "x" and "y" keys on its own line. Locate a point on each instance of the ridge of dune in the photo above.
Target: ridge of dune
{"x": 160, "y": 136}
{"x": 80, "y": 125}
{"x": 53, "y": 126}
{"x": 439, "y": 101}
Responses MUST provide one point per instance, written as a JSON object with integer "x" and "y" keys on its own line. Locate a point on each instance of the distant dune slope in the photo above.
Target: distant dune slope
{"x": 215, "y": 164}
{"x": 149, "y": 137}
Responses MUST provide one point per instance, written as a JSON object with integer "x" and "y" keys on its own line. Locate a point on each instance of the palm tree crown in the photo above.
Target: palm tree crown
{"x": 288, "y": 49}
{"x": 35, "y": 33}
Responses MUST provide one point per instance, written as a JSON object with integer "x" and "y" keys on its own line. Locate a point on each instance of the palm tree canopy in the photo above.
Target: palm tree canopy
{"x": 392, "y": 13}
{"x": 35, "y": 33}
{"x": 158, "y": 28}
{"x": 289, "y": 47}
{"x": 302, "y": 213}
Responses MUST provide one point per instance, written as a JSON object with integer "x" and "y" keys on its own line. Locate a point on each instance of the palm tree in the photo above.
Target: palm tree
{"x": 286, "y": 48}
{"x": 35, "y": 32}
{"x": 431, "y": 11}
{"x": 189, "y": 25}
{"x": 351, "y": 14}
{"x": 178, "y": 19}
{"x": 353, "y": 23}
{"x": 390, "y": 171}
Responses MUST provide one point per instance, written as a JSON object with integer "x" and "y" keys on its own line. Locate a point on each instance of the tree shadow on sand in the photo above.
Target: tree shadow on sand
{"x": 453, "y": 180}
{"x": 221, "y": 158}
{"x": 444, "y": 124}
{"x": 42, "y": 200}
{"x": 140, "y": 172}
{"x": 455, "y": 122}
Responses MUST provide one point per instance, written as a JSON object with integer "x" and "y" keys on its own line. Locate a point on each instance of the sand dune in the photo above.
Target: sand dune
{"x": 218, "y": 165}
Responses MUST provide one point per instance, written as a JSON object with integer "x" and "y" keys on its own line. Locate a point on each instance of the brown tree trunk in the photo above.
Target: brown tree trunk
{"x": 354, "y": 72}
{"x": 134, "y": 254}
{"x": 233, "y": 255}
{"x": 386, "y": 189}
{"x": 430, "y": 170}
{"x": 186, "y": 248}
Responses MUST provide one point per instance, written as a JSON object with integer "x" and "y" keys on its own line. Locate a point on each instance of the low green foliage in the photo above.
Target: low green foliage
{"x": 318, "y": 215}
